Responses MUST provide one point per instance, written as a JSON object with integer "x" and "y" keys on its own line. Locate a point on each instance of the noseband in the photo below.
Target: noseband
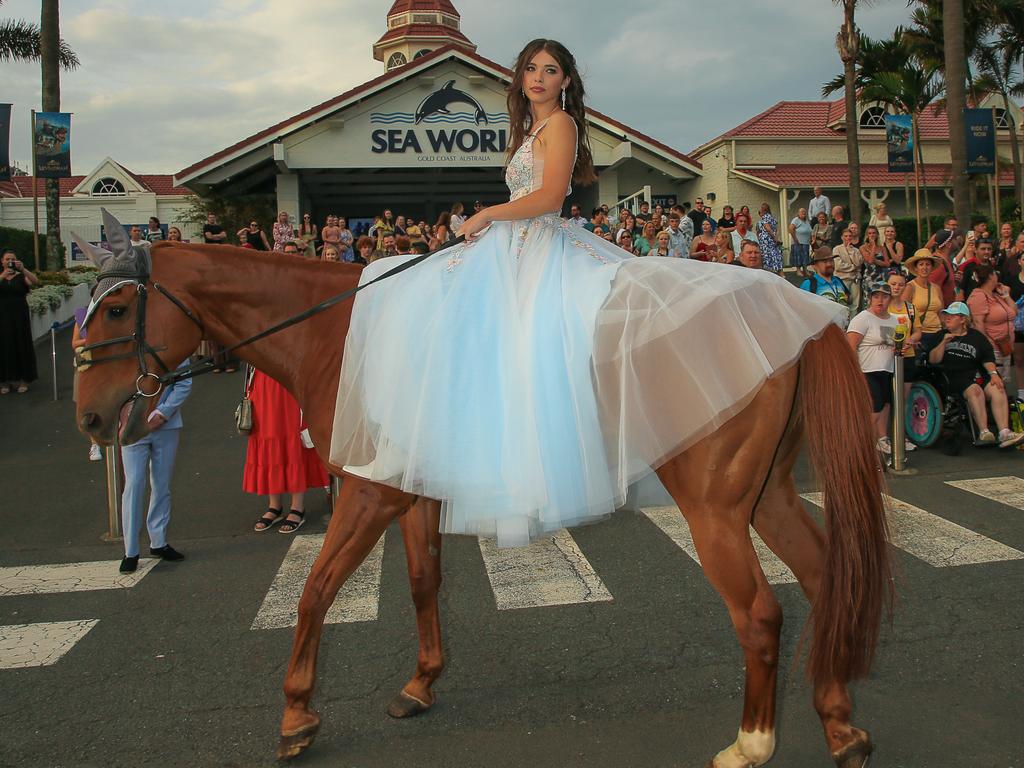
{"x": 142, "y": 349}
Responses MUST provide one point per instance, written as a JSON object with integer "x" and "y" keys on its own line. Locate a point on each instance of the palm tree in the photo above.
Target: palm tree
{"x": 20, "y": 41}
{"x": 998, "y": 65}
{"x": 956, "y": 103}
{"x": 908, "y": 90}
{"x": 49, "y": 48}
{"x": 848, "y": 45}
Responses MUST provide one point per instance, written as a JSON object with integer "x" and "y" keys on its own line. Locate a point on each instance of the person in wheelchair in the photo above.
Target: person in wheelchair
{"x": 963, "y": 353}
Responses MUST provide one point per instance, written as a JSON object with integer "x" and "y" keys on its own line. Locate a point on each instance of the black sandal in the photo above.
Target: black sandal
{"x": 270, "y": 518}
{"x": 289, "y": 526}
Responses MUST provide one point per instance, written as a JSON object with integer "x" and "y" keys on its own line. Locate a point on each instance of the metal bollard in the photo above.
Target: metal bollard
{"x": 53, "y": 356}
{"x": 899, "y": 425}
{"x": 113, "y": 456}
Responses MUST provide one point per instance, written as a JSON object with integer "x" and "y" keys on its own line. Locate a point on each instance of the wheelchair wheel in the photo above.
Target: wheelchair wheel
{"x": 924, "y": 414}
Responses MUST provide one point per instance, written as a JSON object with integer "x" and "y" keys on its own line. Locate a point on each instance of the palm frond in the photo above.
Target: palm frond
{"x": 21, "y": 41}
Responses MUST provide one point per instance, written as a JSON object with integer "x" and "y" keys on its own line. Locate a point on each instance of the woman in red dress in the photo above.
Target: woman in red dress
{"x": 276, "y": 461}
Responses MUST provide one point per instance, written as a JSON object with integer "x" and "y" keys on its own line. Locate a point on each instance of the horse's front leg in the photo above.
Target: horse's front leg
{"x": 423, "y": 557}
{"x": 362, "y": 513}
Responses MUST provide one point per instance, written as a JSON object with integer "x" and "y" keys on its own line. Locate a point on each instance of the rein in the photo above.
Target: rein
{"x": 84, "y": 358}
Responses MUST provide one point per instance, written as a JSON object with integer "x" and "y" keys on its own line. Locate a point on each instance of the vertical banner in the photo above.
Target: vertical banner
{"x": 981, "y": 141}
{"x": 5, "y": 142}
{"x": 53, "y": 145}
{"x": 899, "y": 139}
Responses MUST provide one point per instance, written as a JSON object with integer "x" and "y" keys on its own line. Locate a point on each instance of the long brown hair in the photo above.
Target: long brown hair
{"x": 521, "y": 117}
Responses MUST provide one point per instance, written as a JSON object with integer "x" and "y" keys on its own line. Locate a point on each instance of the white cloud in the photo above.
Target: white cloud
{"x": 163, "y": 85}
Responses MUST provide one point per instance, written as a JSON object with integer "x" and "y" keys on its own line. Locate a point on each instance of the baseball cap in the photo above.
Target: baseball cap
{"x": 957, "y": 308}
{"x": 880, "y": 287}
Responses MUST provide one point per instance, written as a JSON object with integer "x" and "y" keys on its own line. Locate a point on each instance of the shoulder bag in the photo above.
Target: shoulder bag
{"x": 243, "y": 413}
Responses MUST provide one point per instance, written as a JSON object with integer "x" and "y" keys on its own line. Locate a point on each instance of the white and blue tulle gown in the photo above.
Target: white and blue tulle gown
{"x": 528, "y": 378}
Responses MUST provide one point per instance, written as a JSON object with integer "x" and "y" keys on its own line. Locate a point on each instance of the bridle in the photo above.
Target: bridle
{"x": 143, "y": 350}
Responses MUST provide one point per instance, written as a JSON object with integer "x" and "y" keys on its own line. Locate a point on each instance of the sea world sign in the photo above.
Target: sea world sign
{"x": 449, "y": 125}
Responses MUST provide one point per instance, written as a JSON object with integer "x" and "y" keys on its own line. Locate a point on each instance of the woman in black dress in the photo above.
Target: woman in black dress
{"x": 17, "y": 353}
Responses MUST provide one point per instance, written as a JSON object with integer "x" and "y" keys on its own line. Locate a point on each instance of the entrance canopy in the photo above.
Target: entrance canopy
{"x": 418, "y": 138}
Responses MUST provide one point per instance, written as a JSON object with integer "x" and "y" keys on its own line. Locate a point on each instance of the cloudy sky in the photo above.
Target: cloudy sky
{"x": 164, "y": 84}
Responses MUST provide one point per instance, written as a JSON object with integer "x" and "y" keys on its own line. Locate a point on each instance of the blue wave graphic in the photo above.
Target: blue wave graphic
{"x": 406, "y": 118}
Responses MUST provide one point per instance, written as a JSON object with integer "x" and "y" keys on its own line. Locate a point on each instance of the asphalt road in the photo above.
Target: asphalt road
{"x": 171, "y": 673}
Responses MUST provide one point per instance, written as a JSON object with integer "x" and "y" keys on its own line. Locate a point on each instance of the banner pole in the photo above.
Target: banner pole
{"x": 53, "y": 355}
{"x": 113, "y": 494}
{"x": 35, "y": 195}
{"x": 996, "y": 213}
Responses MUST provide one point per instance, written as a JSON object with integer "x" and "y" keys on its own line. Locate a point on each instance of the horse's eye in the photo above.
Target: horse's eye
{"x": 117, "y": 311}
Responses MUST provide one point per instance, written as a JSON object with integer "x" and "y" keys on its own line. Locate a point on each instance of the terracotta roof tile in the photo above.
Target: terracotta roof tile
{"x": 161, "y": 184}
{"x": 404, "y": 6}
{"x": 423, "y": 30}
{"x": 394, "y": 74}
{"x": 837, "y": 175}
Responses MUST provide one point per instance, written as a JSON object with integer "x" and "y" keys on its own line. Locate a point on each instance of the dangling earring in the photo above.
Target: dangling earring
{"x": 563, "y": 98}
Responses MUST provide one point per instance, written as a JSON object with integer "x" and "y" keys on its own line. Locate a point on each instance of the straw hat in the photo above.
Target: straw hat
{"x": 920, "y": 255}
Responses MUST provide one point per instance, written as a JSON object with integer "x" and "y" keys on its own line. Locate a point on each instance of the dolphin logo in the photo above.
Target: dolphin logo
{"x": 440, "y": 100}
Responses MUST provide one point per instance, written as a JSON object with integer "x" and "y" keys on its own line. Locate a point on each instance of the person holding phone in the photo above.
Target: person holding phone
{"x": 17, "y": 353}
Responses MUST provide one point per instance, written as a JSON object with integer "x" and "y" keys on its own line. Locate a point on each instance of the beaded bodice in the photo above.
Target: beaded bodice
{"x": 525, "y": 171}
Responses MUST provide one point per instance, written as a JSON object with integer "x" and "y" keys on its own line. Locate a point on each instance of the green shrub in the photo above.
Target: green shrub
{"x": 48, "y": 297}
{"x": 53, "y": 278}
{"x": 20, "y": 240}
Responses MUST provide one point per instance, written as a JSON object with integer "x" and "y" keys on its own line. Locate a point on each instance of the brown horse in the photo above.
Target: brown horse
{"x": 740, "y": 475}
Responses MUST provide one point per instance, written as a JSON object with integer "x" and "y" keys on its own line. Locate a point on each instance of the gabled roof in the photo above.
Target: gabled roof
{"x": 818, "y": 120}
{"x": 416, "y": 66}
{"x": 161, "y": 184}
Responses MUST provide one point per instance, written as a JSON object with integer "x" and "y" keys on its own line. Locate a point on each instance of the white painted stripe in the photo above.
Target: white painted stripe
{"x": 69, "y": 577}
{"x": 1005, "y": 490}
{"x": 551, "y": 571}
{"x": 936, "y": 540}
{"x": 40, "y": 645}
{"x": 357, "y": 600}
{"x": 672, "y": 523}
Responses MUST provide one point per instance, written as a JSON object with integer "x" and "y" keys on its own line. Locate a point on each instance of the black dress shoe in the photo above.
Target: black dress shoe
{"x": 129, "y": 564}
{"x": 167, "y": 552}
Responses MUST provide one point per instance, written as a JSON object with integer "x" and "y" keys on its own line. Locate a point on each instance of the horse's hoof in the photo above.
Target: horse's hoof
{"x": 295, "y": 743}
{"x": 404, "y": 705}
{"x": 855, "y": 754}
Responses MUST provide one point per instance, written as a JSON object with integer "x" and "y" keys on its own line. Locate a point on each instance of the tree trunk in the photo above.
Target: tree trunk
{"x": 1018, "y": 178}
{"x": 49, "y": 45}
{"x": 849, "y": 44}
{"x": 956, "y": 102}
{"x": 924, "y": 177}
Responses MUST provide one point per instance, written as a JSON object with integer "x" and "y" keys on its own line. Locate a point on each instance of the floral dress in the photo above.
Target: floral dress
{"x": 283, "y": 233}
{"x": 771, "y": 253}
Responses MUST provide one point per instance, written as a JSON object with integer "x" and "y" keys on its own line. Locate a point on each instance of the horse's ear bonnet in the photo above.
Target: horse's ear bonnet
{"x": 127, "y": 264}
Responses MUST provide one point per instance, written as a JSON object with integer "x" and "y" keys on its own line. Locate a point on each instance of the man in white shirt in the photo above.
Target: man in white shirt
{"x": 135, "y": 235}
{"x": 819, "y": 204}
{"x": 576, "y": 216}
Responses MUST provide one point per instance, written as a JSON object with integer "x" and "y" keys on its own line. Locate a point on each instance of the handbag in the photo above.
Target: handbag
{"x": 243, "y": 413}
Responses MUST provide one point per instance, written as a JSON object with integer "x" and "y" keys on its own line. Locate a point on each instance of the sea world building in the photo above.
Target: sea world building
{"x": 430, "y": 131}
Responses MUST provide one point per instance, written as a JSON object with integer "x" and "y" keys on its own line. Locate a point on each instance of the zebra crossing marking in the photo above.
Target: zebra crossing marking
{"x": 357, "y": 600}
{"x": 934, "y": 539}
{"x": 550, "y": 571}
{"x": 672, "y": 523}
{"x": 1005, "y": 490}
{"x": 40, "y": 645}
{"x": 69, "y": 577}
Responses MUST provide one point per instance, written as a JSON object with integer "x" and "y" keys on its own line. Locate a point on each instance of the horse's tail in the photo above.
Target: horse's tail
{"x": 856, "y": 585}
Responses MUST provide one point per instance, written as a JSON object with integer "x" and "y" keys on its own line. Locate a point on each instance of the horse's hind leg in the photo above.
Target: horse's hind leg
{"x": 420, "y": 531}
{"x": 362, "y": 512}
{"x": 784, "y": 525}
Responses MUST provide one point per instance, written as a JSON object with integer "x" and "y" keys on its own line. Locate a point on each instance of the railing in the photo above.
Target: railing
{"x": 633, "y": 201}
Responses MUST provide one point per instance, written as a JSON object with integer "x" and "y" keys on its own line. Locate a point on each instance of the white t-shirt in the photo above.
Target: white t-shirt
{"x": 456, "y": 222}
{"x": 875, "y": 351}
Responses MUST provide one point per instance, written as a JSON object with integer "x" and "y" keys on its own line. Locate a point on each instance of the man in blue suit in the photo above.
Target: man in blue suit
{"x": 157, "y": 450}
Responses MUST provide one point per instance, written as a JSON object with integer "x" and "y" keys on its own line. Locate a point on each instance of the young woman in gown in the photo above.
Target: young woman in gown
{"x": 527, "y": 377}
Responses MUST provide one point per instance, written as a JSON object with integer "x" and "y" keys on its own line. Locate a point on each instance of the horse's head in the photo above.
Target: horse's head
{"x": 134, "y": 334}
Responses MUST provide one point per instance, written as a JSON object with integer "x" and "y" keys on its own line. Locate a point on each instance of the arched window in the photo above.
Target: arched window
{"x": 1003, "y": 120}
{"x": 108, "y": 187}
{"x": 397, "y": 60}
{"x": 873, "y": 117}
{"x": 421, "y": 52}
